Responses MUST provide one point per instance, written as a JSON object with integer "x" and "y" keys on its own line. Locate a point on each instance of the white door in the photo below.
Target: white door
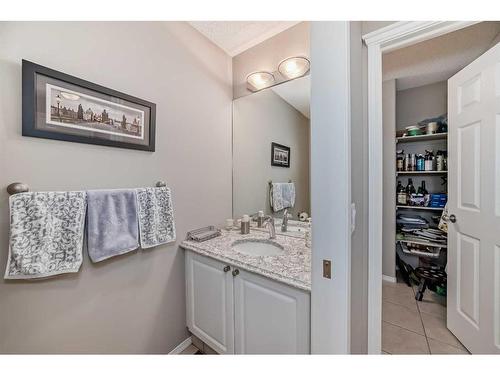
{"x": 270, "y": 317}
{"x": 474, "y": 200}
{"x": 209, "y": 302}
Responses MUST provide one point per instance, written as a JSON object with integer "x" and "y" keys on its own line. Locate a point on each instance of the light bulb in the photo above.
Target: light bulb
{"x": 260, "y": 80}
{"x": 294, "y": 67}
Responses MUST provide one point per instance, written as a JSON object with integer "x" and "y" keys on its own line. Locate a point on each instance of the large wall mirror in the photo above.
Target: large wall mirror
{"x": 276, "y": 116}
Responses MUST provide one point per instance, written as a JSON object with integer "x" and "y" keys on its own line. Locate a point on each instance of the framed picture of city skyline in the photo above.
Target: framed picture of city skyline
{"x": 62, "y": 107}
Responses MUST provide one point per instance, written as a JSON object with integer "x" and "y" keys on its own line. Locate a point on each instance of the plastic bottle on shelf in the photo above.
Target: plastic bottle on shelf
{"x": 401, "y": 197}
{"x": 440, "y": 161}
{"x": 400, "y": 160}
{"x": 429, "y": 160}
{"x": 420, "y": 162}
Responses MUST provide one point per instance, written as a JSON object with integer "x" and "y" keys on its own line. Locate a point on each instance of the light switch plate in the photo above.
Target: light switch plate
{"x": 327, "y": 268}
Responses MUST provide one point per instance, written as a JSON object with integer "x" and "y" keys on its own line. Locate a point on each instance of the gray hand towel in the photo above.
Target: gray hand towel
{"x": 46, "y": 234}
{"x": 282, "y": 195}
{"x": 156, "y": 216}
{"x": 112, "y": 227}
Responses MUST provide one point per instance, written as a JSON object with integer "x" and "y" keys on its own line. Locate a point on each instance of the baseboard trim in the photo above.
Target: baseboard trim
{"x": 182, "y": 346}
{"x": 391, "y": 279}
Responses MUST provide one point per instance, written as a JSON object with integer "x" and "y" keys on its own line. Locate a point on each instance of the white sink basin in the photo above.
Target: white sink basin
{"x": 257, "y": 247}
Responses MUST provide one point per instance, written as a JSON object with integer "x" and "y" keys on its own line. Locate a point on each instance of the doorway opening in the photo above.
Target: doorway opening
{"x": 414, "y": 151}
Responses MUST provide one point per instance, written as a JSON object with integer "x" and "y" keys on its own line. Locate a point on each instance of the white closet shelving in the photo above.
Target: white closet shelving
{"x": 421, "y": 143}
{"x": 420, "y": 138}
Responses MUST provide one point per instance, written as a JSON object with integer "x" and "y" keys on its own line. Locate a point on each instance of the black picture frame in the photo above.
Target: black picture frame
{"x": 280, "y": 155}
{"x": 30, "y": 72}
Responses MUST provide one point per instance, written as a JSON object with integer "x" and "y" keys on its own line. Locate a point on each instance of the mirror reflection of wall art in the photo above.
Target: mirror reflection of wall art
{"x": 280, "y": 155}
{"x": 59, "y": 106}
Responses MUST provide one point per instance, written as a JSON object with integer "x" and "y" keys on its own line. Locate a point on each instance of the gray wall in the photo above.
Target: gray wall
{"x": 258, "y": 120}
{"x": 133, "y": 303}
{"x": 419, "y": 103}
{"x": 389, "y": 160}
{"x": 267, "y": 55}
{"x": 414, "y": 105}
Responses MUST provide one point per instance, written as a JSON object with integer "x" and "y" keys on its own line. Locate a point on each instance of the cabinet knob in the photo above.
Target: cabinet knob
{"x": 453, "y": 218}
{"x": 236, "y": 272}
{"x": 227, "y": 268}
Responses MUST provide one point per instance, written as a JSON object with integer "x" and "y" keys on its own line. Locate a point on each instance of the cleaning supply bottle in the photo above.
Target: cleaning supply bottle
{"x": 401, "y": 195}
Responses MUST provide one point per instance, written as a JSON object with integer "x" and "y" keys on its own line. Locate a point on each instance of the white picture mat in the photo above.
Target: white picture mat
{"x": 50, "y": 87}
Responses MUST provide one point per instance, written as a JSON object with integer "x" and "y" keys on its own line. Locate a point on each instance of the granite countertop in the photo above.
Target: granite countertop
{"x": 293, "y": 267}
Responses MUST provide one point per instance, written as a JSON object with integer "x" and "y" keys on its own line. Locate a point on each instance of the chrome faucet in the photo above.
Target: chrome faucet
{"x": 284, "y": 222}
{"x": 269, "y": 222}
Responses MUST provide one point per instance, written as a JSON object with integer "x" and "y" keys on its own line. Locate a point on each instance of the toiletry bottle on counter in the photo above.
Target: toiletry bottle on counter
{"x": 260, "y": 219}
{"x": 245, "y": 224}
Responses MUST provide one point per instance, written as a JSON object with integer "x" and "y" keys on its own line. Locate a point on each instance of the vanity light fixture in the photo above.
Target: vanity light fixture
{"x": 260, "y": 80}
{"x": 294, "y": 67}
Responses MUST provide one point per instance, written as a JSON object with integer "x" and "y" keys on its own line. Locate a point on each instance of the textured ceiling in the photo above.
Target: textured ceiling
{"x": 235, "y": 37}
{"x": 438, "y": 59}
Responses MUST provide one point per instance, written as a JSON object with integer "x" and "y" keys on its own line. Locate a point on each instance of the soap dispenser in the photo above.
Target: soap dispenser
{"x": 260, "y": 219}
{"x": 245, "y": 224}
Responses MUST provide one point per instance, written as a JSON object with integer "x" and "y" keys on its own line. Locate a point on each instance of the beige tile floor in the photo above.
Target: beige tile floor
{"x": 413, "y": 327}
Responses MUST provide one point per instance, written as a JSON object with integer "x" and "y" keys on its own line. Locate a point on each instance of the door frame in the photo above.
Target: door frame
{"x": 389, "y": 38}
{"x": 330, "y": 187}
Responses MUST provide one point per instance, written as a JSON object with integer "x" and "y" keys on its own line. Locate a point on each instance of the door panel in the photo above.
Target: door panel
{"x": 270, "y": 317}
{"x": 468, "y": 277}
{"x": 209, "y": 294}
{"x": 469, "y": 160}
{"x": 469, "y": 93}
{"x": 474, "y": 198}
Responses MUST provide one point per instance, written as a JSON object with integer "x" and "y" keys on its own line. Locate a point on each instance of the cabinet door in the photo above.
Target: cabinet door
{"x": 209, "y": 302}
{"x": 270, "y": 317}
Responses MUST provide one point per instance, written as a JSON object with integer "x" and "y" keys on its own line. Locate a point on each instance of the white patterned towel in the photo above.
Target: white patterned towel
{"x": 156, "y": 216}
{"x": 46, "y": 234}
{"x": 282, "y": 195}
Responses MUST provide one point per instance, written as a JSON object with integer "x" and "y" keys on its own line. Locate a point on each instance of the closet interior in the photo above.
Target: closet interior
{"x": 415, "y": 191}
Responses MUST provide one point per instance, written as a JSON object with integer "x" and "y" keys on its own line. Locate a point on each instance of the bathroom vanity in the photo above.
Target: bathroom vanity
{"x": 247, "y": 294}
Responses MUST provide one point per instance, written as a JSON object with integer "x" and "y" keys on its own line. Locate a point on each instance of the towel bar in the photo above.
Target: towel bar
{"x": 271, "y": 182}
{"x": 19, "y": 187}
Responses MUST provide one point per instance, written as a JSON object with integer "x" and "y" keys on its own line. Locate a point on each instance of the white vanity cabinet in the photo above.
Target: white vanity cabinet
{"x": 270, "y": 317}
{"x": 209, "y": 302}
{"x": 235, "y": 311}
